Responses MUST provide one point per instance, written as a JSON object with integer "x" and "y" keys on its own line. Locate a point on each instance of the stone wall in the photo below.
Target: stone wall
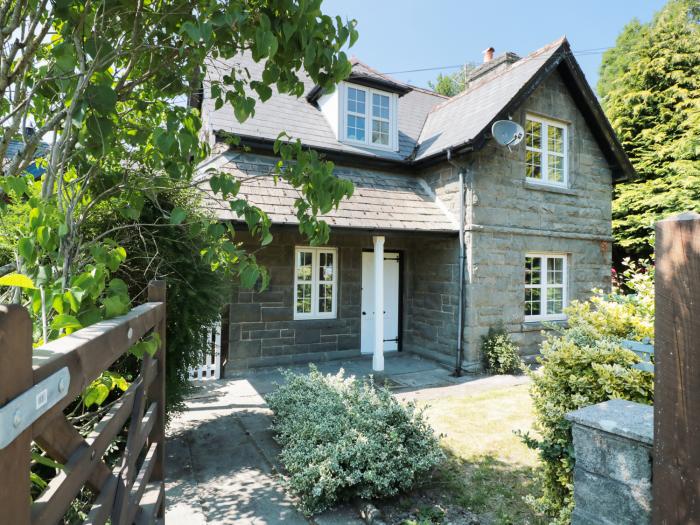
{"x": 263, "y": 331}
{"x": 612, "y": 476}
{"x": 508, "y": 217}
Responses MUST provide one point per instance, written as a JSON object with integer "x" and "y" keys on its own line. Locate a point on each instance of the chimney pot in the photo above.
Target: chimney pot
{"x": 488, "y": 54}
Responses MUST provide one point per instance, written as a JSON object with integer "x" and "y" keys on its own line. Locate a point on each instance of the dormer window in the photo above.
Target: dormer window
{"x": 368, "y": 116}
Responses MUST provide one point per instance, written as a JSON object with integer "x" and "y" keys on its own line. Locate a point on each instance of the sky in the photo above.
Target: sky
{"x": 400, "y": 35}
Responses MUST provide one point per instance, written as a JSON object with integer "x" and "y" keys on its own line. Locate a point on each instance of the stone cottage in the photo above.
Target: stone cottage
{"x": 448, "y": 233}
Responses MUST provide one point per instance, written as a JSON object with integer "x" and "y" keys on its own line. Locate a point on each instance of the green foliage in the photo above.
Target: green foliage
{"x": 582, "y": 365}
{"x": 16, "y": 279}
{"x": 650, "y": 90}
{"x": 104, "y": 83}
{"x": 198, "y": 273}
{"x": 343, "y": 438}
{"x": 499, "y": 352}
{"x": 452, "y": 84}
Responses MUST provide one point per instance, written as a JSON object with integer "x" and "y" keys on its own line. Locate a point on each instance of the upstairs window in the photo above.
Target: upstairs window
{"x": 545, "y": 151}
{"x": 369, "y": 117}
{"x": 315, "y": 283}
{"x": 356, "y": 114}
{"x": 545, "y": 287}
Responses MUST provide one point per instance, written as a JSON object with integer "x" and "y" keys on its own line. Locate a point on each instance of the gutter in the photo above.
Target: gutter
{"x": 461, "y": 262}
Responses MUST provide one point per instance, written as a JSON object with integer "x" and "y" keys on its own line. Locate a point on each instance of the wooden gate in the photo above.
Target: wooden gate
{"x": 54, "y": 375}
{"x": 211, "y": 364}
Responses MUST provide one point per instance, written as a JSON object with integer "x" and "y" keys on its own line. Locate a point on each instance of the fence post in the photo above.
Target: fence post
{"x": 156, "y": 392}
{"x": 16, "y": 376}
{"x": 676, "y": 469}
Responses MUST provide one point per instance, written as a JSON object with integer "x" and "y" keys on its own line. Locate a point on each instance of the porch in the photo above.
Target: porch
{"x": 321, "y": 302}
{"x": 223, "y": 462}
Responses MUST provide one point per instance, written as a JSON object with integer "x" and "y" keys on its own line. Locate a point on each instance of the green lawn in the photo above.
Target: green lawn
{"x": 490, "y": 470}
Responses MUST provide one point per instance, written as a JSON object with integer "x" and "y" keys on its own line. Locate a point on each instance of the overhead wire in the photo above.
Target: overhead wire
{"x": 582, "y": 52}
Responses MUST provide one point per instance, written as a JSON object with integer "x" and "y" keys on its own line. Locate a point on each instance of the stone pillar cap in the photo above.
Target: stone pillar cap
{"x": 623, "y": 418}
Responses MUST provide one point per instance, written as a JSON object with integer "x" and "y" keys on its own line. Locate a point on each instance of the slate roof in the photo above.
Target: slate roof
{"x": 429, "y": 124}
{"x": 302, "y": 119}
{"x": 381, "y": 201}
{"x": 461, "y": 118}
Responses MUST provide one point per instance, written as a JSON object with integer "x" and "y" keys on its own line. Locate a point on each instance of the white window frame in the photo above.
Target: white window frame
{"x": 316, "y": 282}
{"x": 544, "y": 286}
{"x": 544, "y": 151}
{"x": 393, "y": 115}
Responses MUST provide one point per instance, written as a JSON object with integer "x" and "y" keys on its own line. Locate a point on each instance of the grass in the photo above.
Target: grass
{"x": 489, "y": 470}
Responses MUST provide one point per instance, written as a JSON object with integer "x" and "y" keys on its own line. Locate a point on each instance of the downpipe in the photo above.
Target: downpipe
{"x": 461, "y": 263}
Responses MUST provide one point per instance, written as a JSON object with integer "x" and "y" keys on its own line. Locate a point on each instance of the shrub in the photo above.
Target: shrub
{"x": 582, "y": 365}
{"x": 343, "y": 438}
{"x": 499, "y": 352}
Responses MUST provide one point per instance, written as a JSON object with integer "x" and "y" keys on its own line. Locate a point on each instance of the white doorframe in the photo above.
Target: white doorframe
{"x": 390, "y": 305}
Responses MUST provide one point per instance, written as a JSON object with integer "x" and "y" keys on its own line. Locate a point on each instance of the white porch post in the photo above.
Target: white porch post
{"x": 378, "y": 355}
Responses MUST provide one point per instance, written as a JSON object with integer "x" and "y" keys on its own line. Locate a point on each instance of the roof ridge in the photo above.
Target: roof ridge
{"x": 557, "y": 43}
{"x": 354, "y": 60}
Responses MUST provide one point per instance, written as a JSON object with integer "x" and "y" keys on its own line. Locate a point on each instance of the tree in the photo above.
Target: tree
{"x": 453, "y": 83}
{"x": 88, "y": 88}
{"x": 650, "y": 90}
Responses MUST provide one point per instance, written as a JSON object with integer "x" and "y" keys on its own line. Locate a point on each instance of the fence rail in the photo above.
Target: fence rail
{"x": 645, "y": 351}
{"x": 51, "y": 378}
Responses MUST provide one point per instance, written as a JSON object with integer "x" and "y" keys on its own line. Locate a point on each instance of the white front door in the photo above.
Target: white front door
{"x": 391, "y": 302}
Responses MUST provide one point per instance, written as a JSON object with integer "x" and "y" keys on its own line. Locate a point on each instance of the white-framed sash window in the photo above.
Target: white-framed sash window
{"x": 369, "y": 117}
{"x": 546, "y": 288}
{"x": 546, "y": 151}
{"x": 315, "y": 282}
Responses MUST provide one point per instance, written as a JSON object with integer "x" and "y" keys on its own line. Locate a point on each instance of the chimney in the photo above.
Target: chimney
{"x": 491, "y": 65}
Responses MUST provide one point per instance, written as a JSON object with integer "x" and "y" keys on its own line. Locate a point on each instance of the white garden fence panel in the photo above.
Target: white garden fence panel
{"x": 211, "y": 365}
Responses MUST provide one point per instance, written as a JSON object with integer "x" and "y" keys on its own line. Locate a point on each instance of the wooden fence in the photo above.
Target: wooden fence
{"x": 35, "y": 388}
{"x": 676, "y": 469}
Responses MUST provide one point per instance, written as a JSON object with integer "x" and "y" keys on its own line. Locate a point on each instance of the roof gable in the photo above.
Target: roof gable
{"x": 465, "y": 120}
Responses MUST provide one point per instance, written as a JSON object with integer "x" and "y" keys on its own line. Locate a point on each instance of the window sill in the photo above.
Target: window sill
{"x": 542, "y": 186}
{"x": 538, "y": 326}
{"x": 367, "y": 145}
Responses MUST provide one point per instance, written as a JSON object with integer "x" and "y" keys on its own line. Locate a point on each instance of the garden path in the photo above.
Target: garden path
{"x": 222, "y": 463}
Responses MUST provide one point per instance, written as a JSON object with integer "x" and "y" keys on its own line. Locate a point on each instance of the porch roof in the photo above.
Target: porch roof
{"x": 381, "y": 201}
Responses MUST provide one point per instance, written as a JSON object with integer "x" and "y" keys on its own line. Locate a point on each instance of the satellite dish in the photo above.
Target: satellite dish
{"x": 507, "y": 132}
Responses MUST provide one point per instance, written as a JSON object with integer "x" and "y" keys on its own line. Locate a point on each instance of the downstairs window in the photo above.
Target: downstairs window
{"x": 315, "y": 283}
{"x": 545, "y": 287}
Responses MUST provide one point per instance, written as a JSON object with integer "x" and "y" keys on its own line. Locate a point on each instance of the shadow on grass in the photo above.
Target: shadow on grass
{"x": 490, "y": 487}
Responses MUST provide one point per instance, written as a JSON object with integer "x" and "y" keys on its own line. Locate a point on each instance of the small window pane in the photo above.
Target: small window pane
{"x": 555, "y": 300}
{"x": 356, "y": 100}
{"x": 555, "y": 166}
{"x": 533, "y": 162}
{"x": 304, "y": 268}
{"x": 356, "y": 128}
{"x": 380, "y": 132}
{"x": 303, "y": 298}
{"x": 555, "y": 142}
{"x": 325, "y": 298}
{"x": 325, "y": 268}
{"x": 555, "y": 270}
{"x": 533, "y": 266}
{"x": 532, "y": 301}
{"x": 380, "y": 106}
{"x": 533, "y": 134}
